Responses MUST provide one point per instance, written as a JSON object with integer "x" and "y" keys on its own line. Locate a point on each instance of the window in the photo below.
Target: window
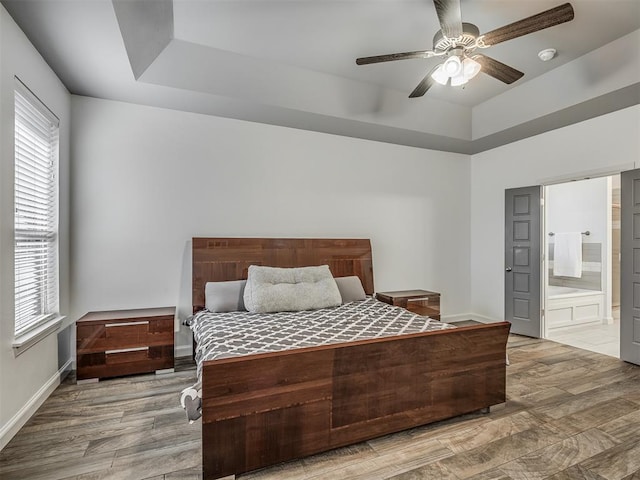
{"x": 36, "y": 211}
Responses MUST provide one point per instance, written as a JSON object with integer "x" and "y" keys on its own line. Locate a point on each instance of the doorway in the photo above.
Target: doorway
{"x": 582, "y": 275}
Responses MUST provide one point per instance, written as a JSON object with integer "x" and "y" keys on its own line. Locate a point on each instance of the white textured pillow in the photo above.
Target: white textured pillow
{"x": 224, "y": 296}
{"x": 272, "y": 289}
{"x": 351, "y": 289}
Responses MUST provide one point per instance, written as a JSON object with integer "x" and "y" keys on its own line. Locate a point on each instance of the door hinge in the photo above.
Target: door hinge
{"x": 542, "y": 202}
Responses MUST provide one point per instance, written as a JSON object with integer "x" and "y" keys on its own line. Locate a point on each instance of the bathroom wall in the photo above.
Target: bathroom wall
{"x": 591, "y": 278}
{"x": 578, "y": 207}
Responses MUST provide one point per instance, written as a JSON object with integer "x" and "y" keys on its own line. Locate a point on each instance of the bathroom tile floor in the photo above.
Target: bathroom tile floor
{"x": 597, "y": 338}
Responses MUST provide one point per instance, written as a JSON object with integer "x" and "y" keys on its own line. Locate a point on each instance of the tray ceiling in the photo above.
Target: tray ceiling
{"x": 292, "y": 63}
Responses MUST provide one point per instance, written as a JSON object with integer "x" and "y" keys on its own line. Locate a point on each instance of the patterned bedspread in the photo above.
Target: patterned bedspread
{"x": 221, "y": 335}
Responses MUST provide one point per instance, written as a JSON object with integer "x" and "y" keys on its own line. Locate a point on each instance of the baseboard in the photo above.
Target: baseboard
{"x": 183, "y": 351}
{"x": 484, "y": 319}
{"x": 8, "y": 431}
{"x": 461, "y": 317}
{"x": 468, "y": 316}
{"x": 67, "y": 368}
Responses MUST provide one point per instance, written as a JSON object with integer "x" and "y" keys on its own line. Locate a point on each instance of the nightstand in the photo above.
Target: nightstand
{"x": 123, "y": 342}
{"x": 422, "y": 302}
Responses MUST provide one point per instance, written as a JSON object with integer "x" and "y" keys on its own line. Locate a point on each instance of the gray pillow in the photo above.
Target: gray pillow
{"x": 223, "y": 297}
{"x": 272, "y": 289}
{"x": 351, "y": 289}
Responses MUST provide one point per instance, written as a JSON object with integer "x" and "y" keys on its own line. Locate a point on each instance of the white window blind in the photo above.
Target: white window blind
{"x": 36, "y": 211}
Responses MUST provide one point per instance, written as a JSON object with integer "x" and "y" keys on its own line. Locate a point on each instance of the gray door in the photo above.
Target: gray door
{"x": 522, "y": 260}
{"x": 630, "y": 267}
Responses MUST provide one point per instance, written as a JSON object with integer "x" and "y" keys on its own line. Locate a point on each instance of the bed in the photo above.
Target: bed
{"x": 262, "y": 409}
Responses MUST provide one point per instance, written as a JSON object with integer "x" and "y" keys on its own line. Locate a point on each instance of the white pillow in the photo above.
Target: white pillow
{"x": 273, "y": 289}
{"x": 351, "y": 289}
{"x": 223, "y": 297}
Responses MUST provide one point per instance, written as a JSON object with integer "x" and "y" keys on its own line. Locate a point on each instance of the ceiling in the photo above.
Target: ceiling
{"x": 292, "y": 63}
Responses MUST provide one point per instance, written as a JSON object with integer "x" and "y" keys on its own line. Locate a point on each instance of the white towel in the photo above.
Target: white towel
{"x": 567, "y": 255}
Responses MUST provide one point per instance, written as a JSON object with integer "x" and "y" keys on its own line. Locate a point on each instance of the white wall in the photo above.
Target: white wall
{"x": 26, "y": 380}
{"x": 147, "y": 179}
{"x": 600, "y": 145}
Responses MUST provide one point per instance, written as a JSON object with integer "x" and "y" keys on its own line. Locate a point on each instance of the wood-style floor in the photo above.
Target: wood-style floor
{"x": 570, "y": 414}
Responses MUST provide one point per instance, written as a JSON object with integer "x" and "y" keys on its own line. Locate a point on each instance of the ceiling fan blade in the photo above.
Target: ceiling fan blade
{"x": 450, "y": 17}
{"x": 546, "y": 19}
{"x": 394, "y": 56}
{"x": 424, "y": 85}
{"x": 497, "y": 69}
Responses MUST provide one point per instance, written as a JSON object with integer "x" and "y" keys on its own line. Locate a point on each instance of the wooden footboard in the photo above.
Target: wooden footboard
{"x": 263, "y": 409}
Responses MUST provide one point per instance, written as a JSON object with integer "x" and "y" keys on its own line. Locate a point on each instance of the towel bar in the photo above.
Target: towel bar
{"x": 551, "y": 234}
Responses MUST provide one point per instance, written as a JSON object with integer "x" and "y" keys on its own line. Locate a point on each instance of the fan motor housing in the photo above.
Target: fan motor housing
{"x": 469, "y": 35}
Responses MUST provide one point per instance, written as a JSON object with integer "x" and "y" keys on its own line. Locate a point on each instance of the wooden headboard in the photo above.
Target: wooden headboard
{"x": 223, "y": 259}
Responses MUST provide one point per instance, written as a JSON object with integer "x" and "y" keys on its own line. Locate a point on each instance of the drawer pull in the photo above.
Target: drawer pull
{"x": 419, "y": 299}
{"x": 126, "y": 324}
{"x": 126, "y": 350}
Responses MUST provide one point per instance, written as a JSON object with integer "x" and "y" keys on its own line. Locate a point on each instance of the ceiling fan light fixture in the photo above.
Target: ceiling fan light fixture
{"x": 459, "y": 80}
{"x": 470, "y": 68}
{"x": 467, "y": 69}
{"x": 439, "y": 75}
{"x": 456, "y": 42}
{"x": 452, "y": 66}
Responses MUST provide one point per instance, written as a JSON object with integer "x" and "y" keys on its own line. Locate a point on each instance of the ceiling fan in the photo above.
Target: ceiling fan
{"x": 457, "y": 42}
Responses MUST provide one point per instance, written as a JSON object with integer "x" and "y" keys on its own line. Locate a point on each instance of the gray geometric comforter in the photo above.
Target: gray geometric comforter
{"x": 222, "y": 335}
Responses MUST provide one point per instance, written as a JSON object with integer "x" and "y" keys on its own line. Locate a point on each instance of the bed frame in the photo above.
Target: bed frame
{"x": 259, "y": 410}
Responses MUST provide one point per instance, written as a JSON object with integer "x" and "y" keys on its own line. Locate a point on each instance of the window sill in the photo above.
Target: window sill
{"x": 27, "y": 340}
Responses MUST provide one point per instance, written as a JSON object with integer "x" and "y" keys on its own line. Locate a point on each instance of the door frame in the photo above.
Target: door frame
{"x": 586, "y": 175}
{"x": 544, "y": 278}
{"x": 605, "y": 274}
